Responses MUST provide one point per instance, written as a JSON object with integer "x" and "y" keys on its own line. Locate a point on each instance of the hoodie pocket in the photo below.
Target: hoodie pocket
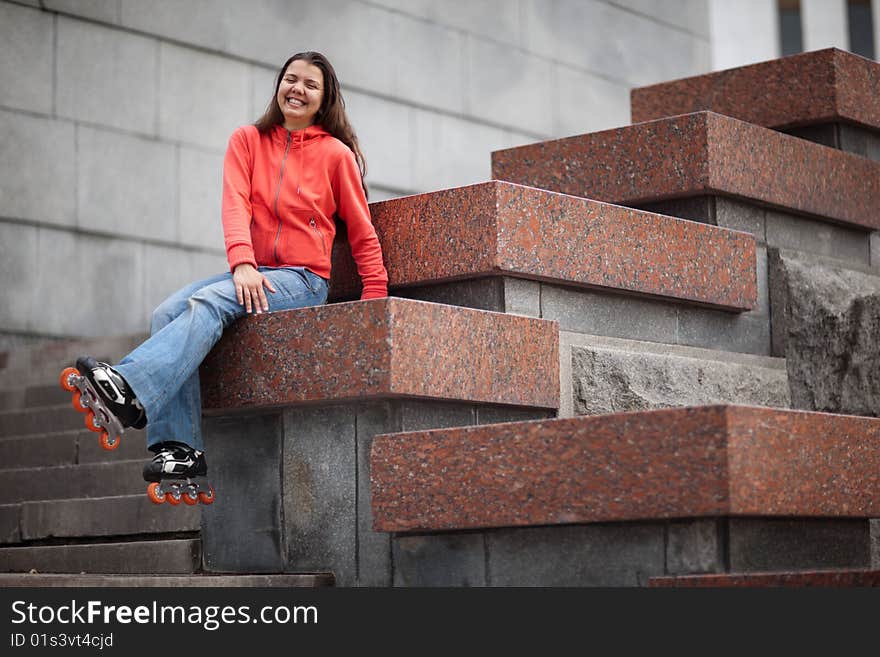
{"x": 319, "y": 234}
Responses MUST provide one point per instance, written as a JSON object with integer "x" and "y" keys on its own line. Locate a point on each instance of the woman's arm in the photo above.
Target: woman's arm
{"x": 236, "y": 205}
{"x": 352, "y": 208}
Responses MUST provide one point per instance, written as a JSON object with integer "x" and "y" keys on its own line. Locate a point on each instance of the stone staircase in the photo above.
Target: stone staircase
{"x": 634, "y": 358}
{"x": 70, "y": 508}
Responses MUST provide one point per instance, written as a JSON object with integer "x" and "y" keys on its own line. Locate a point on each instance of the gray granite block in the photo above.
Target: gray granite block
{"x": 762, "y": 544}
{"x": 695, "y": 208}
{"x": 373, "y": 566}
{"x": 584, "y": 311}
{"x": 522, "y": 297}
{"x": 10, "y": 531}
{"x": 417, "y": 415}
{"x": 695, "y": 546}
{"x": 104, "y": 516}
{"x": 747, "y": 333}
{"x": 455, "y": 559}
{"x": 858, "y": 140}
{"x": 495, "y": 414}
{"x": 826, "y": 320}
{"x": 607, "y": 380}
{"x": 479, "y": 293}
{"x": 623, "y": 554}
{"x": 244, "y": 466}
{"x": 874, "y": 529}
{"x": 798, "y": 233}
{"x": 169, "y": 556}
{"x": 320, "y": 491}
{"x": 826, "y": 134}
{"x": 742, "y": 216}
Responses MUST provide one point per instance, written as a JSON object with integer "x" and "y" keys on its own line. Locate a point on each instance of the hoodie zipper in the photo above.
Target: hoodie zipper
{"x": 278, "y": 193}
{"x": 320, "y": 234}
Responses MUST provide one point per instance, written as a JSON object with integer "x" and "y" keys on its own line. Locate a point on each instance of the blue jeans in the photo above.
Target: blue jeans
{"x": 163, "y": 372}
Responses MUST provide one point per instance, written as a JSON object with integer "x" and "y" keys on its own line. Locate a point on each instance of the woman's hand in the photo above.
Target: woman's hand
{"x": 249, "y": 284}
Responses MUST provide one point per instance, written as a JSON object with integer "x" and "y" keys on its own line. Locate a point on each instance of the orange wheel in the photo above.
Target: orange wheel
{"x": 207, "y": 496}
{"x": 76, "y": 400}
{"x": 171, "y": 499}
{"x": 64, "y": 379}
{"x": 90, "y": 422}
{"x": 105, "y": 443}
{"x": 156, "y": 496}
{"x": 190, "y": 498}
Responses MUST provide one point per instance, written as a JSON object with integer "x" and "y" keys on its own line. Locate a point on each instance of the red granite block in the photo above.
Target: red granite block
{"x": 811, "y": 88}
{"x": 497, "y": 228}
{"x": 383, "y": 348}
{"x": 707, "y": 461}
{"x": 813, "y": 578}
{"x": 699, "y": 154}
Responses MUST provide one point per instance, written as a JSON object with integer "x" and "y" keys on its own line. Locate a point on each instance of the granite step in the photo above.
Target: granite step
{"x": 602, "y": 375}
{"x": 71, "y": 481}
{"x": 702, "y": 461}
{"x": 794, "y": 579}
{"x": 41, "y": 420}
{"x": 309, "y": 580}
{"x": 40, "y": 366}
{"x": 541, "y": 236}
{"x": 178, "y": 556}
{"x": 697, "y": 155}
{"x": 68, "y": 448}
{"x": 612, "y": 500}
{"x": 33, "y": 396}
{"x": 829, "y": 96}
{"x": 124, "y": 515}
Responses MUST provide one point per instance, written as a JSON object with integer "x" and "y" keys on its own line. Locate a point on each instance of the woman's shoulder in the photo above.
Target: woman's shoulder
{"x": 335, "y": 146}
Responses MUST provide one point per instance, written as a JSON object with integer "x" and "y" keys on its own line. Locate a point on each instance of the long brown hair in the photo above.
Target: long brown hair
{"x": 331, "y": 116}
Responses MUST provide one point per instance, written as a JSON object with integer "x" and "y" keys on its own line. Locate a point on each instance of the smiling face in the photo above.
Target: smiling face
{"x": 300, "y": 94}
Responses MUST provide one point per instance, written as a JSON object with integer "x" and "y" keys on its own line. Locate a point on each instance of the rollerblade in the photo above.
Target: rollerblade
{"x": 105, "y": 398}
{"x": 177, "y": 474}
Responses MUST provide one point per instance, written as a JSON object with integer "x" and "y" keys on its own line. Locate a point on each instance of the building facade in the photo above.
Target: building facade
{"x": 114, "y": 114}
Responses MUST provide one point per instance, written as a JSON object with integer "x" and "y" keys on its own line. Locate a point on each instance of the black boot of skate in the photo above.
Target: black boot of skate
{"x": 172, "y": 472}
{"x": 114, "y": 392}
{"x": 175, "y": 460}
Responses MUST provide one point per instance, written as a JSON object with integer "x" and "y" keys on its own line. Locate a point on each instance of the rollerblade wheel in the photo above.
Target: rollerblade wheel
{"x": 76, "y": 401}
{"x": 173, "y": 498}
{"x": 106, "y": 443}
{"x": 92, "y": 422}
{"x": 190, "y": 498}
{"x": 155, "y": 493}
{"x": 207, "y": 496}
{"x": 65, "y": 380}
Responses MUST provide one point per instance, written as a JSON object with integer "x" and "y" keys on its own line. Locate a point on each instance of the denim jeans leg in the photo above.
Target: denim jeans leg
{"x": 163, "y": 371}
{"x": 172, "y": 422}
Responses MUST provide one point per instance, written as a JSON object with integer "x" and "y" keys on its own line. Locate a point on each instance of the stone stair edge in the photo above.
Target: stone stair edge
{"x": 159, "y": 580}
{"x": 401, "y": 347}
{"x": 708, "y": 459}
{"x": 627, "y": 345}
{"x": 720, "y": 170}
{"x": 168, "y": 555}
{"x": 802, "y": 78}
{"x": 836, "y": 577}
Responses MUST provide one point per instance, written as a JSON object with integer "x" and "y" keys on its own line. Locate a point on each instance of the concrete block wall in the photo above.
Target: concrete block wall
{"x": 114, "y": 116}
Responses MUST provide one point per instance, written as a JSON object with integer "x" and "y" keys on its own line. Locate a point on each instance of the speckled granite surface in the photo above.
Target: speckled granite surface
{"x": 499, "y": 228}
{"x": 698, "y": 154}
{"x": 676, "y": 463}
{"x": 383, "y": 348}
{"x": 816, "y": 578}
{"x": 816, "y": 87}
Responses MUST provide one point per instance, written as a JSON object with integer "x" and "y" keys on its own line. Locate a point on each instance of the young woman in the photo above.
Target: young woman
{"x": 285, "y": 179}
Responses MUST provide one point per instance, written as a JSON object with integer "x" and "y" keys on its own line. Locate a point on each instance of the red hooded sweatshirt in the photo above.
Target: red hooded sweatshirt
{"x": 280, "y": 194}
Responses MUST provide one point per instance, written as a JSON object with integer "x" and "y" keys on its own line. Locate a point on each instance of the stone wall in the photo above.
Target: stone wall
{"x": 114, "y": 116}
